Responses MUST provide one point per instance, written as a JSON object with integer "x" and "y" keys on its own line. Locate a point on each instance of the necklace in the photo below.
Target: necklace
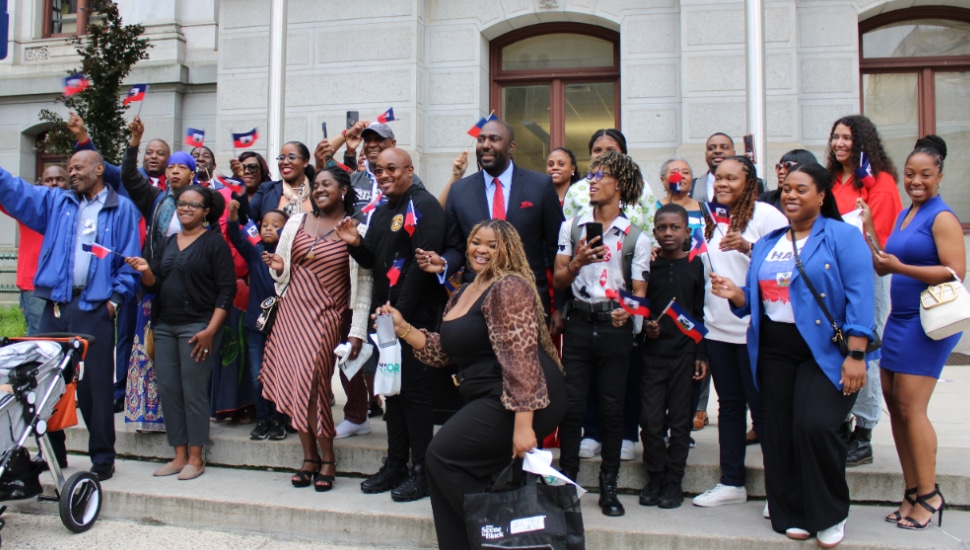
{"x": 312, "y": 254}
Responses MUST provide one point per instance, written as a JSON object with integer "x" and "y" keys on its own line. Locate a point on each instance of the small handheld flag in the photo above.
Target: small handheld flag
{"x": 719, "y": 212}
{"x": 477, "y": 128}
{"x": 234, "y": 185}
{"x": 694, "y": 330}
{"x": 394, "y": 273}
{"x": 634, "y": 305}
{"x": 247, "y": 139}
{"x": 97, "y": 250}
{"x": 674, "y": 182}
{"x": 194, "y": 137}
{"x": 864, "y": 172}
{"x": 76, "y": 83}
{"x": 252, "y": 232}
{"x": 386, "y": 116}
{"x": 411, "y": 219}
{"x": 373, "y": 204}
{"x": 697, "y": 244}
{"x": 136, "y": 93}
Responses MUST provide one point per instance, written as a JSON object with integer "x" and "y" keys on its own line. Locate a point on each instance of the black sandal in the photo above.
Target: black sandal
{"x": 322, "y": 482}
{"x": 896, "y": 516}
{"x": 303, "y": 478}
{"x": 922, "y": 500}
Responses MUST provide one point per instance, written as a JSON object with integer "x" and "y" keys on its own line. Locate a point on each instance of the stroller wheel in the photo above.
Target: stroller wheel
{"x": 80, "y": 502}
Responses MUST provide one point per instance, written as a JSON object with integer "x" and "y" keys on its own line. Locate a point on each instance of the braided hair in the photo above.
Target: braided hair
{"x": 627, "y": 173}
{"x": 865, "y": 138}
{"x": 932, "y": 145}
{"x": 743, "y": 209}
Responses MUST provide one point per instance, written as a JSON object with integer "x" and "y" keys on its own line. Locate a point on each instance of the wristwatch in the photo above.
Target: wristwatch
{"x": 858, "y": 354}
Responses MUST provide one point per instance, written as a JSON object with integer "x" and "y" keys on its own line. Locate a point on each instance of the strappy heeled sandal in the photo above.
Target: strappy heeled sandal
{"x": 303, "y": 478}
{"x": 923, "y": 500}
{"x": 322, "y": 482}
{"x": 907, "y": 496}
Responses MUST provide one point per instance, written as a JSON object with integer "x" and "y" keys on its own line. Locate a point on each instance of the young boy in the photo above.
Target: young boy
{"x": 671, "y": 359}
{"x": 269, "y": 423}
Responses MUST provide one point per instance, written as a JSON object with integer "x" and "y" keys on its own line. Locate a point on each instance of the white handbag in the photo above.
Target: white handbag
{"x": 944, "y": 309}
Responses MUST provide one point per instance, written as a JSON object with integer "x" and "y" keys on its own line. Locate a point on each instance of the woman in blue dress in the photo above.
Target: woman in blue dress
{"x": 925, "y": 248}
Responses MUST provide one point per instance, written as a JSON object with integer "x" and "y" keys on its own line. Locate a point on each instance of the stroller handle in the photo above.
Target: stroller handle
{"x": 59, "y": 337}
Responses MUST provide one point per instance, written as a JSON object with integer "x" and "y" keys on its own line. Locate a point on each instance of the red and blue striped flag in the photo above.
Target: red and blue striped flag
{"x": 685, "y": 323}
{"x": 136, "y": 93}
{"x": 386, "y": 116}
{"x": 411, "y": 219}
{"x": 246, "y": 139}
{"x": 477, "y": 128}
{"x": 76, "y": 83}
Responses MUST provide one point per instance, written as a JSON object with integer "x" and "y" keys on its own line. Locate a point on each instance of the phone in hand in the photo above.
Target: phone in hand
{"x": 593, "y": 230}
{"x": 385, "y": 331}
{"x": 352, "y": 118}
{"x": 324, "y": 125}
{"x": 749, "y": 148}
{"x": 873, "y": 242}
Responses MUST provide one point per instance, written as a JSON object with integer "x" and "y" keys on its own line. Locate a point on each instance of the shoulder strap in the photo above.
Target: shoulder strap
{"x": 811, "y": 287}
{"x": 575, "y": 234}
{"x": 629, "y": 248}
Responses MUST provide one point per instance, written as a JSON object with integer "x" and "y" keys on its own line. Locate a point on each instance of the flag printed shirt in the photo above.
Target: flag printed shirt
{"x": 774, "y": 281}
{"x": 593, "y": 279}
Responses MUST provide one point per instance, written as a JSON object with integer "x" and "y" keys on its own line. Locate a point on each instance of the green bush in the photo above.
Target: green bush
{"x": 12, "y": 321}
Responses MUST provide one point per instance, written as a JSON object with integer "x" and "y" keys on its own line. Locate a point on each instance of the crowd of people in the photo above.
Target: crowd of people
{"x": 577, "y": 311}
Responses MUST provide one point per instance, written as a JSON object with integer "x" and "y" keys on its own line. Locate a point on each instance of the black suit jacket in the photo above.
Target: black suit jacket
{"x": 532, "y": 208}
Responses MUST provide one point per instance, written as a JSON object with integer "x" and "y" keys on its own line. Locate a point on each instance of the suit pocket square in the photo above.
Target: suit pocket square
{"x": 526, "y": 204}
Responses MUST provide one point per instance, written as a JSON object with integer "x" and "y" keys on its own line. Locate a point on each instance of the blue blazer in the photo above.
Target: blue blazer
{"x": 837, "y": 260}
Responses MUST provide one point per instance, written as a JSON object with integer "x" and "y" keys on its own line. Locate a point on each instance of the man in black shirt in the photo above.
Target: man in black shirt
{"x": 411, "y": 218}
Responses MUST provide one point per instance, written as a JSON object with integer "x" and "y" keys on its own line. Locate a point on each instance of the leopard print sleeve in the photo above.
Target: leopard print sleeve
{"x": 513, "y": 329}
{"x": 431, "y": 354}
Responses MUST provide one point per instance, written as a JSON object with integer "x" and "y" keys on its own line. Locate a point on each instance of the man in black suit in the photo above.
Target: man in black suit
{"x": 501, "y": 190}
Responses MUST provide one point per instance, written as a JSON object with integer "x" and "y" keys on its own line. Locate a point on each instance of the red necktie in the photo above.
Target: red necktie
{"x": 498, "y": 201}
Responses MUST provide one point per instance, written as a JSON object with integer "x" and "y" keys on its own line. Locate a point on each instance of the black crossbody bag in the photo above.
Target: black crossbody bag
{"x": 839, "y": 336}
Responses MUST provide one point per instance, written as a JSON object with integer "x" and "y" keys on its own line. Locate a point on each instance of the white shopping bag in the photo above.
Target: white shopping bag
{"x": 351, "y": 367}
{"x": 539, "y": 462}
{"x": 387, "y": 379}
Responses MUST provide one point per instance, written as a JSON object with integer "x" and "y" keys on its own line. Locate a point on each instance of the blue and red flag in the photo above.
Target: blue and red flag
{"x": 694, "y": 330}
{"x": 719, "y": 213}
{"x": 864, "y": 172}
{"x": 674, "y": 182}
{"x": 386, "y": 116}
{"x": 136, "y": 93}
{"x": 252, "y": 232}
{"x": 373, "y": 204}
{"x": 394, "y": 273}
{"x": 411, "y": 219}
{"x": 634, "y": 305}
{"x": 697, "y": 244}
{"x": 97, "y": 250}
{"x": 194, "y": 137}
{"x": 246, "y": 139}
{"x": 234, "y": 185}
{"x": 477, "y": 128}
{"x": 76, "y": 83}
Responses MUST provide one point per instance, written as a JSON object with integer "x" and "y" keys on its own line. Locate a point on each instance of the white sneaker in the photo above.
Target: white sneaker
{"x": 831, "y": 537}
{"x": 627, "y": 452}
{"x": 348, "y": 428}
{"x": 797, "y": 533}
{"x": 766, "y": 514}
{"x": 588, "y": 448}
{"x": 720, "y": 495}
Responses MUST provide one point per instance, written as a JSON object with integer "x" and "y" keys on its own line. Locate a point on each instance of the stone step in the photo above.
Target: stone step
{"x": 879, "y": 482}
{"x": 264, "y": 502}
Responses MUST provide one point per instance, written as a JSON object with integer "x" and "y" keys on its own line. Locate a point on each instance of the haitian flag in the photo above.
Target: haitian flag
{"x": 97, "y": 250}
{"x": 634, "y": 305}
{"x": 394, "y": 273}
{"x": 864, "y": 172}
{"x": 411, "y": 219}
{"x": 477, "y": 128}
{"x": 194, "y": 137}
{"x": 697, "y": 244}
{"x": 685, "y": 323}
{"x": 234, "y": 185}
{"x": 719, "y": 212}
{"x": 373, "y": 204}
{"x": 76, "y": 83}
{"x": 673, "y": 182}
{"x": 252, "y": 232}
{"x": 136, "y": 93}
{"x": 386, "y": 116}
{"x": 247, "y": 139}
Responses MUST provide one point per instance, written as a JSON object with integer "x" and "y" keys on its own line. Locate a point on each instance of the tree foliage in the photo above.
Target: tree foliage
{"x": 108, "y": 53}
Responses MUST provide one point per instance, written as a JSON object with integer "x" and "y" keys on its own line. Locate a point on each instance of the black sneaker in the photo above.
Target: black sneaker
{"x": 414, "y": 487}
{"x": 375, "y": 410}
{"x": 650, "y": 495}
{"x": 277, "y": 431}
{"x": 103, "y": 471}
{"x": 261, "y": 431}
{"x": 388, "y": 477}
{"x": 671, "y": 496}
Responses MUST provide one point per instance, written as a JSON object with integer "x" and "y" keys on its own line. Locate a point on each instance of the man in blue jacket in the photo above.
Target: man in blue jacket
{"x": 83, "y": 291}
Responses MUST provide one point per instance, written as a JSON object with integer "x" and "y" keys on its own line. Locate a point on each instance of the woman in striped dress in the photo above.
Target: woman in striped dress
{"x": 322, "y": 284}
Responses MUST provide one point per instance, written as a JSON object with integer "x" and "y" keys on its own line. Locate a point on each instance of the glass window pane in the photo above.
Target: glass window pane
{"x": 557, "y": 51}
{"x": 526, "y": 108}
{"x": 929, "y": 37}
{"x": 891, "y": 101}
{"x": 953, "y": 125}
{"x": 589, "y": 107}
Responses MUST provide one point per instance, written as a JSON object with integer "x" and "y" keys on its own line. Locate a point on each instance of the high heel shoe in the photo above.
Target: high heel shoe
{"x": 907, "y": 496}
{"x": 322, "y": 482}
{"x": 923, "y": 500}
{"x": 303, "y": 478}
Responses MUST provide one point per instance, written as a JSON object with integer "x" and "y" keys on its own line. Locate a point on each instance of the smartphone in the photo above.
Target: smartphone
{"x": 593, "y": 230}
{"x": 873, "y": 242}
{"x": 749, "y": 148}
{"x": 385, "y": 331}
{"x": 352, "y": 118}
{"x": 324, "y": 125}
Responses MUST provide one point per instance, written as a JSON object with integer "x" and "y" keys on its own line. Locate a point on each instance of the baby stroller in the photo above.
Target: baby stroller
{"x": 33, "y": 375}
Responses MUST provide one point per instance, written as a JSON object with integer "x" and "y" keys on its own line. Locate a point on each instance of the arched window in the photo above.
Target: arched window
{"x": 915, "y": 66}
{"x": 556, "y": 84}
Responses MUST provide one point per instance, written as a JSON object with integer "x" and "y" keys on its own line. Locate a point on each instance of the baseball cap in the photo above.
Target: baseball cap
{"x": 380, "y": 129}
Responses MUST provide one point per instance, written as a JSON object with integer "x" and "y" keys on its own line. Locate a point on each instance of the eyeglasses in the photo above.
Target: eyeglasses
{"x": 292, "y": 157}
{"x": 787, "y": 165}
{"x": 378, "y": 171}
{"x": 251, "y": 168}
{"x": 597, "y": 175}
{"x": 189, "y": 205}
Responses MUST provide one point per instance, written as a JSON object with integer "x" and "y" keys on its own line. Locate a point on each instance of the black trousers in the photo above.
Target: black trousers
{"x": 631, "y": 403}
{"x": 95, "y": 392}
{"x": 410, "y": 414}
{"x": 475, "y": 445}
{"x": 601, "y": 351}
{"x": 665, "y": 395}
{"x": 736, "y": 394}
{"x": 804, "y": 453}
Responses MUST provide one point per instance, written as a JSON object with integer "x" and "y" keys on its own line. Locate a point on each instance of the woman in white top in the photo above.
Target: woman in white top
{"x": 729, "y": 246}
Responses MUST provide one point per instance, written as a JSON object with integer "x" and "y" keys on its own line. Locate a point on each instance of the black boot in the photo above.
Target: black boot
{"x": 845, "y": 430}
{"x": 671, "y": 496}
{"x": 650, "y": 495}
{"x": 415, "y": 487}
{"x": 388, "y": 477}
{"x": 860, "y": 448}
{"x": 608, "y": 502}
